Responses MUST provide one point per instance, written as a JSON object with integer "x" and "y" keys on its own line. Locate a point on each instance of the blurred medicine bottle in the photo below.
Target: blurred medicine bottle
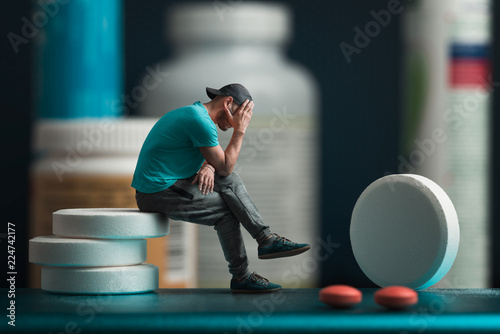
{"x": 84, "y": 151}
{"x": 218, "y": 43}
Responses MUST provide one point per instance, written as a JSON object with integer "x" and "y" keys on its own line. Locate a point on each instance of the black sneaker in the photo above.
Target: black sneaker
{"x": 253, "y": 283}
{"x": 281, "y": 247}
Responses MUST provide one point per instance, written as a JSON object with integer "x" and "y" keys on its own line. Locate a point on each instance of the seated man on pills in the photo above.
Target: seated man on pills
{"x": 183, "y": 171}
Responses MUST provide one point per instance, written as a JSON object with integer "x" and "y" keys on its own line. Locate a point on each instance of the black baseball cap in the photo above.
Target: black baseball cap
{"x": 238, "y": 92}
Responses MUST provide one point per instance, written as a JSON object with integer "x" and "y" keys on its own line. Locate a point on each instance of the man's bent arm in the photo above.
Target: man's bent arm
{"x": 224, "y": 161}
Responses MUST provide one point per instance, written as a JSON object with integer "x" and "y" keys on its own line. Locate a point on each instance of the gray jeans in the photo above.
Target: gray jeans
{"x": 225, "y": 208}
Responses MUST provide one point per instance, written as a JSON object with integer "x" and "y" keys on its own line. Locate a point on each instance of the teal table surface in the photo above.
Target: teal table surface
{"x": 220, "y": 311}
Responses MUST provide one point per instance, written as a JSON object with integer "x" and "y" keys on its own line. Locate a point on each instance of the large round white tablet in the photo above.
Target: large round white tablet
{"x": 404, "y": 231}
{"x": 60, "y": 251}
{"x": 109, "y": 223}
{"x": 93, "y": 280}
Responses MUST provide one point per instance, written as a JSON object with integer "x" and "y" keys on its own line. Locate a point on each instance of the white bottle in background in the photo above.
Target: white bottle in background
{"x": 245, "y": 43}
{"x": 468, "y": 126}
{"x": 447, "y": 120}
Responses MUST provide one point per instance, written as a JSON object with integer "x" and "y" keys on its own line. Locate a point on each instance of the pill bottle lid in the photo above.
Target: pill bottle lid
{"x": 233, "y": 22}
{"x": 94, "y": 135}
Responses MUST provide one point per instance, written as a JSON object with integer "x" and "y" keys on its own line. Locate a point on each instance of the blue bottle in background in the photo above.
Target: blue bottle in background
{"x": 79, "y": 61}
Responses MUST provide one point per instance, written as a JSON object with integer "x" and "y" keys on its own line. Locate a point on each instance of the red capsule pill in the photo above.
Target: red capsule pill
{"x": 396, "y": 297}
{"x": 340, "y": 296}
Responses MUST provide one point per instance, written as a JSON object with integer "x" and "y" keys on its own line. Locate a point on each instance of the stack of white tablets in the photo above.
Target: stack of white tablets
{"x": 98, "y": 251}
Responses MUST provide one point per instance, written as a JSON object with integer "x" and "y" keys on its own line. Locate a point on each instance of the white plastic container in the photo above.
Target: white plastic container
{"x": 89, "y": 163}
{"x": 448, "y": 126}
{"x": 244, "y": 43}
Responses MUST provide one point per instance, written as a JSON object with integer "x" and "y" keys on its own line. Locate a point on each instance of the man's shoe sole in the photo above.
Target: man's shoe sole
{"x": 284, "y": 254}
{"x": 255, "y": 291}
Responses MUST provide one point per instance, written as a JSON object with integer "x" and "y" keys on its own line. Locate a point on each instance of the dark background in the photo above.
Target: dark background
{"x": 361, "y": 107}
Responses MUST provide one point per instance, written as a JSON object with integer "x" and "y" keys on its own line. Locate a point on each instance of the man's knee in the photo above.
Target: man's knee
{"x": 231, "y": 179}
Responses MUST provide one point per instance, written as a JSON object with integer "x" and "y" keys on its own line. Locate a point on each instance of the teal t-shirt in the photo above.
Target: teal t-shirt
{"x": 171, "y": 149}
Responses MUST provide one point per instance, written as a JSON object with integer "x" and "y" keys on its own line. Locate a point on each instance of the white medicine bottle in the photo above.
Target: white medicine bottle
{"x": 215, "y": 44}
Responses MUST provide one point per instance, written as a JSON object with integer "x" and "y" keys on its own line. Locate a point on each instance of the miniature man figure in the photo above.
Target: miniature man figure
{"x": 183, "y": 171}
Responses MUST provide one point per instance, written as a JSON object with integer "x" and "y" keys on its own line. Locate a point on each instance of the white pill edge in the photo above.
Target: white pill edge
{"x": 140, "y": 278}
{"x": 106, "y": 223}
{"x": 73, "y": 252}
